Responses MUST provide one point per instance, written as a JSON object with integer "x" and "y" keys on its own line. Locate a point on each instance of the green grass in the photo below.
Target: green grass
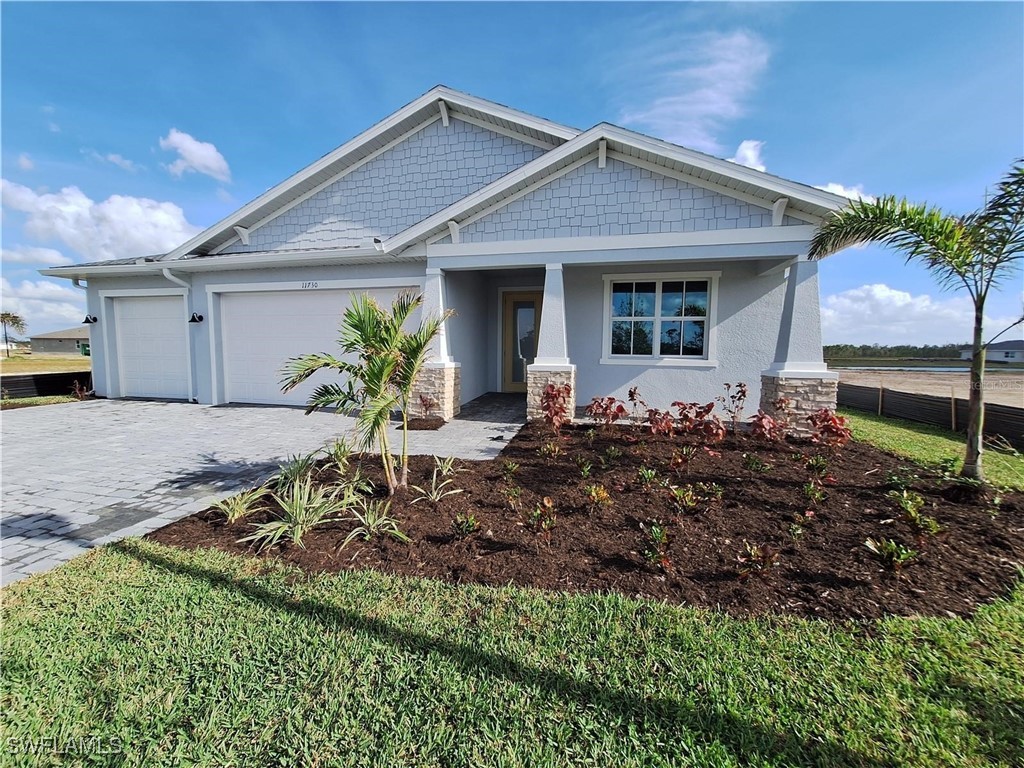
{"x": 208, "y": 659}
{"x": 11, "y": 403}
{"x": 930, "y": 445}
{"x": 44, "y": 364}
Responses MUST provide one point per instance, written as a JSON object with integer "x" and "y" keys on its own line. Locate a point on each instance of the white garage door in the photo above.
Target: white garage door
{"x": 263, "y": 329}
{"x": 151, "y": 346}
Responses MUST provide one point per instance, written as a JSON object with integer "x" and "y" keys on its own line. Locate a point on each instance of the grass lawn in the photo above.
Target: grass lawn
{"x": 8, "y": 404}
{"x": 930, "y": 445}
{"x": 44, "y": 363}
{"x": 205, "y": 658}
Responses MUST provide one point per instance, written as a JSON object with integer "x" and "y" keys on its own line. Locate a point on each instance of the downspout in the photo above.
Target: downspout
{"x": 188, "y": 306}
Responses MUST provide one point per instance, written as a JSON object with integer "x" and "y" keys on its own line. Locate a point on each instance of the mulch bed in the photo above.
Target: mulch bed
{"x": 424, "y": 423}
{"x": 823, "y": 568}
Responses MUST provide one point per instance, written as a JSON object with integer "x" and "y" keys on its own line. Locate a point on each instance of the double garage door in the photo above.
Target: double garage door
{"x": 261, "y": 330}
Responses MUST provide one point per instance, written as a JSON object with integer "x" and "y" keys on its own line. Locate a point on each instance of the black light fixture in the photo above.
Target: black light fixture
{"x": 196, "y": 318}
{"x": 89, "y": 320}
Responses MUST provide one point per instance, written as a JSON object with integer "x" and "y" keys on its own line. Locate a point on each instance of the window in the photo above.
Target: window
{"x": 659, "y": 318}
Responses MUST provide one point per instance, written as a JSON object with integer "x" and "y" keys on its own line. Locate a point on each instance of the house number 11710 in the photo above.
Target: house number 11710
{"x": 312, "y": 284}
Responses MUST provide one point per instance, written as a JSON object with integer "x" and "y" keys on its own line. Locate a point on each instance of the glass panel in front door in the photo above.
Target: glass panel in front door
{"x": 524, "y": 338}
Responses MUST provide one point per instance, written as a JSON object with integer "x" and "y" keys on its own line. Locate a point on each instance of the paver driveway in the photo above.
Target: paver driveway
{"x": 82, "y": 474}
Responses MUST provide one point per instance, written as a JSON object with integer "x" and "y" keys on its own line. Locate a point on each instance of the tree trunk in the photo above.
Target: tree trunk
{"x": 7, "y": 344}
{"x": 975, "y": 402}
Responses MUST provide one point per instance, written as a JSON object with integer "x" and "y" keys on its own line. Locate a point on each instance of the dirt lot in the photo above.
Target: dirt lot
{"x": 1002, "y": 388}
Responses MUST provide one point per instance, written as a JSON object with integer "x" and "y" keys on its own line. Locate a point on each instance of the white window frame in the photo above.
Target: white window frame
{"x": 710, "y": 357}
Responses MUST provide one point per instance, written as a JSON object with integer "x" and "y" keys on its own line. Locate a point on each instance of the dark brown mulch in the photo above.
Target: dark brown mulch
{"x": 425, "y": 423}
{"x": 823, "y": 570}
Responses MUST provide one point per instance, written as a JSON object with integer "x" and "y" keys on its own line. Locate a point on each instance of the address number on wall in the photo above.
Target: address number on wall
{"x": 311, "y": 284}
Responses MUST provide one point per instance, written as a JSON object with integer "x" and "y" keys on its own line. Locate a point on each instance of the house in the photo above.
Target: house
{"x": 70, "y": 341}
{"x": 602, "y": 258}
{"x": 1001, "y": 352}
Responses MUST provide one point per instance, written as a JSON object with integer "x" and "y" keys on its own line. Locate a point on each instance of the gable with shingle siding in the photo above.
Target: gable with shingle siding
{"x": 620, "y": 199}
{"x": 431, "y": 169}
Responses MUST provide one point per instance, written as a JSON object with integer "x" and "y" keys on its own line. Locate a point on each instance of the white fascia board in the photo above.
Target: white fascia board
{"x": 755, "y": 235}
{"x": 113, "y": 270}
{"x": 739, "y": 172}
{"x": 427, "y": 100}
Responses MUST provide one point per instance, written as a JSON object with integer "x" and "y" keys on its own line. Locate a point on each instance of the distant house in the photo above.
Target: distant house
{"x": 70, "y": 341}
{"x": 1001, "y": 352}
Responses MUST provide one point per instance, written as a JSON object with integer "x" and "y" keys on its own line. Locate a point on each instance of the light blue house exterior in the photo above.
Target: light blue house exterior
{"x": 602, "y": 258}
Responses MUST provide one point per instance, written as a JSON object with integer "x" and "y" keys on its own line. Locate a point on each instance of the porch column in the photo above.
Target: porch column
{"x": 437, "y": 388}
{"x": 798, "y": 372}
{"x": 551, "y": 365}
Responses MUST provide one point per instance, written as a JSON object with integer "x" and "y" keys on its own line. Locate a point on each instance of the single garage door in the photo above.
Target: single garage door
{"x": 261, "y": 330}
{"x": 152, "y": 352}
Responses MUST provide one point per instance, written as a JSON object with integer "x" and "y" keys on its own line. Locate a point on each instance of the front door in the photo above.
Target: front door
{"x": 520, "y": 324}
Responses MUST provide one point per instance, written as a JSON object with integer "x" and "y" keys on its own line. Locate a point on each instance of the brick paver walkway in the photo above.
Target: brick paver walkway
{"x": 78, "y": 475}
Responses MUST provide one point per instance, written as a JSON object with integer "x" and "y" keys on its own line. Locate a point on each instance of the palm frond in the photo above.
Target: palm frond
{"x": 342, "y": 397}
{"x": 944, "y": 244}
{"x": 297, "y": 369}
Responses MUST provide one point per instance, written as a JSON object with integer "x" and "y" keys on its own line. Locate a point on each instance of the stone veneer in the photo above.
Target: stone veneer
{"x": 442, "y": 383}
{"x": 537, "y": 380}
{"x": 806, "y": 396}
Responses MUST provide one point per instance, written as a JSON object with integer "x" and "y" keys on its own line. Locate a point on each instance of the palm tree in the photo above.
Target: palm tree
{"x": 380, "y": 380}
{"x": 15, "y": 322}
{"x": 975, "y": 252}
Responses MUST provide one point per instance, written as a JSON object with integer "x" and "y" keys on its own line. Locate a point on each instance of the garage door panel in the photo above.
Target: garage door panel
{"x": 262, "y": 330}
{"x": 152, "y": 350}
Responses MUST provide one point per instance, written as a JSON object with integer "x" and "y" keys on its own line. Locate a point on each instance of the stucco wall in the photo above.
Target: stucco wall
{"x": 620, "y": 199}
{"x": 426, "y": 172}
{"x": 467, "y": 332}
{"x": 748, "y": 313}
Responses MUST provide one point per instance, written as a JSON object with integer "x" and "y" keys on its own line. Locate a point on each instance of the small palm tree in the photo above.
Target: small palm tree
{"x": 975, "y": 252}
{"x": 15, "y": 322}
{"x": 380, "y": 380}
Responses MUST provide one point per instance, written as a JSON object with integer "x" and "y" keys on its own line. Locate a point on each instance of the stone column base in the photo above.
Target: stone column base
{"x": 806, "y": 395}
{"x": 437, "y": 391}
{"x": 537, "y": 379}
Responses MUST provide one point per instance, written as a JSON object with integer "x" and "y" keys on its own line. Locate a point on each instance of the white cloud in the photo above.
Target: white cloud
{"x": 25, "y": 162}
{"x": 195, "y": 156}
{"x": 54, "y": 128}
{"x": 748, "y": 153}
{"x": 113, "y": 158}
{"x": 224, "y": 196}
{"x": 25, "y": 254}
{"x": 854, "y": 193}
{"x": 43, "y": 304}
{"x": 878, "y": 314}
{"x": 694, "y": 84}
{"x": 118, "y": 227}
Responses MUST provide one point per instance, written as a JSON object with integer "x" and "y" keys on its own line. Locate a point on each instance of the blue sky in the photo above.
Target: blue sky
{"x": 128, "y": 127}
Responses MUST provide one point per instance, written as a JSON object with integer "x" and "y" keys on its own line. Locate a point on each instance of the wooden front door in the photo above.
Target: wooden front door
{"x": 520, "y": 327}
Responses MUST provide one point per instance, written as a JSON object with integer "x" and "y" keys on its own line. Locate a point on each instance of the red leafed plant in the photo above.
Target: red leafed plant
{"x": 764, "y": 427}
{"x": 554, "y": 405}
{"x": 661, "y": 422}
{"x": 830, "y": 430}
{"x": 697, "y": 419}
{"x": 607, "y": 410}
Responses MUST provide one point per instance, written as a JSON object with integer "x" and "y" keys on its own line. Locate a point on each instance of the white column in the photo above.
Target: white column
{"x": 434, "y": 305}
{"x": 798, "y": 352}
{"x": 552, "y": 344}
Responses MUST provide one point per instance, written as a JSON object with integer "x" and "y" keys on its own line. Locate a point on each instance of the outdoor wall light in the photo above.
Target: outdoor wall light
{"x": 196, "y": 318}
{"x": 89, "y": 320}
